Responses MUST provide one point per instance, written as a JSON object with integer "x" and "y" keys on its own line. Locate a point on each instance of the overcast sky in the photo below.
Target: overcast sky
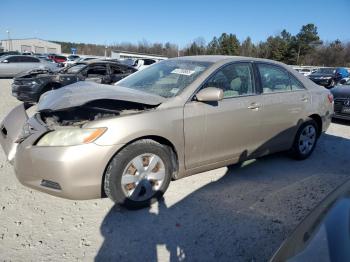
{"x": 106, "y": 22}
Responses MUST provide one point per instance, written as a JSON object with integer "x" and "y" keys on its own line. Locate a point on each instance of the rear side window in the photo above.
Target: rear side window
{"x": 295, "y": 84}
{"x": 116, "y": 70}
{"x": 14, "y": 59}
{"x": 23, "y": 59}
{"x": 235, "y": 80}
{"x": 273, "y": 79}
{"x": 29, "y": 59}
{"x": 97, "y": 70}
{"x": 148, "y": 61}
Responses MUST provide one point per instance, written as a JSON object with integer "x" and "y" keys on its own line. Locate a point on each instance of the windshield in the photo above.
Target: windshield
{"x": 325, "y": 71}
{"x": 75, "y": 69}
{"x": 167, "y": 78}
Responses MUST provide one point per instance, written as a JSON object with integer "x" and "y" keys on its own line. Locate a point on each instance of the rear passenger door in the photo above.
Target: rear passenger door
{"x": 29, "y": 62}
{"x": 284, "y": 103}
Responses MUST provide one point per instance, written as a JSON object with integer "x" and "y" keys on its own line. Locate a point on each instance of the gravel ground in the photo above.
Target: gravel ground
{"x": 239, "y": 213}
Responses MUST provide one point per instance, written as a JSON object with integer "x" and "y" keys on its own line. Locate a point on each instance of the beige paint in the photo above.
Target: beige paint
{"x": 204, "y": 135}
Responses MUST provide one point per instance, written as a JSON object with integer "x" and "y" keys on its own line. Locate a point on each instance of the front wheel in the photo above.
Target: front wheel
{"x": 139, "y": 174}
{"x": 305, "y": 140}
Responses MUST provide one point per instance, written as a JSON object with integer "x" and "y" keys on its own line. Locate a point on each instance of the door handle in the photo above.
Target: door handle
{"x": 254, "y": 106}
{"x": 305, "y": 99}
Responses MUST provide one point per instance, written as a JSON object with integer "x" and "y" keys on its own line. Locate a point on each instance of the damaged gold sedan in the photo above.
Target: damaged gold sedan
{"x": 176, "y": 118}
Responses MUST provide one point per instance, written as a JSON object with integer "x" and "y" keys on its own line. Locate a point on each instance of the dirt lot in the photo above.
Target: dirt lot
{"x": 240, "y": 213}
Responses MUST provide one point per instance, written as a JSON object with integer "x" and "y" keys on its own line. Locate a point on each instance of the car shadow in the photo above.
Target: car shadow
{"x": 341, "y": 121}
{"x": 243, "y": 216}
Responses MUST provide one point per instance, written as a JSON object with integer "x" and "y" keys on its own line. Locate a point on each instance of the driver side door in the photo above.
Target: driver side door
{"x": 227, "y": 130}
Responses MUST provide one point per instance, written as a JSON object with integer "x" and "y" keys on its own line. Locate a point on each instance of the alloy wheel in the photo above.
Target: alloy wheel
{"x": 143, "y": 176}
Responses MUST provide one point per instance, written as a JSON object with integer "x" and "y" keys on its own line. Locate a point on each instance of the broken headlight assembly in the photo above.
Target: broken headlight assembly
{"x": 71, "y": 136}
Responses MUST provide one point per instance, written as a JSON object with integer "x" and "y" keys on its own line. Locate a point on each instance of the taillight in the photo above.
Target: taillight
{"x": 330, "y": 98}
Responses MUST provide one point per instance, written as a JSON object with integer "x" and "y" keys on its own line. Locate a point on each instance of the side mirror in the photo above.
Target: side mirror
{"x": 5, "y": 61}
{"x": 210, "y": 94}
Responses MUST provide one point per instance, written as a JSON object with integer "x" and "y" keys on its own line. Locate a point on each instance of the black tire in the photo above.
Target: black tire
{"x": 296, "y": 151}
{"x": 114, "y": 171}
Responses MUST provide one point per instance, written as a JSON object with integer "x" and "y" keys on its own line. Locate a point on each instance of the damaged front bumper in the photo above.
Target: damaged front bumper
{"x": 72, "y": 172}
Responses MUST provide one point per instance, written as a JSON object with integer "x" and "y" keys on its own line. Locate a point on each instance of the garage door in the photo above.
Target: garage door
{"x": 26, "y": 48}
{"x": 52, "y": 50}
{"x": 39, "y": 49}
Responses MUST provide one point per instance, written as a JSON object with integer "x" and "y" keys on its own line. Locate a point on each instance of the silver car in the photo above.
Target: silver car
{"x": 173, "y": 119}
{"x": 13, "y": 64}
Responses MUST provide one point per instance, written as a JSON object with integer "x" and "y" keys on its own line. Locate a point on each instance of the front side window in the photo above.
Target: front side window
{"x": 273, "y": 79}
{"x": 234, "y": 80}
{"x": 75, "y": 69}
{"x": 167, "y": 78}
{"x": 96, "y": 70}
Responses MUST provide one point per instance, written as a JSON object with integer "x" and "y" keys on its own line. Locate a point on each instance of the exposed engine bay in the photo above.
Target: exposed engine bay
{"x": 94, "y": 110}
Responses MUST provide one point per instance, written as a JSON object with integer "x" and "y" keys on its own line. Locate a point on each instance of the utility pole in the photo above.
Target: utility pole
{"x": 9, "y": 45}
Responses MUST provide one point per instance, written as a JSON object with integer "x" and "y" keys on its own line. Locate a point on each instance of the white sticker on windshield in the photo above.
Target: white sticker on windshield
{"x": 185, "y": 72}
{"x": 174, "y": 90}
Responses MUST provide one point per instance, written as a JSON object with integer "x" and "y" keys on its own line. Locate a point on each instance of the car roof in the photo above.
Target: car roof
{"x": 97, "y": 61}
{"x": 8, "y": 56}
{"x": 221, "y": 58}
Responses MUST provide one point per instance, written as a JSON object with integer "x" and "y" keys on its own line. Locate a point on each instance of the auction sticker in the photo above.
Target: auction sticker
{"x": 185, "y": 72}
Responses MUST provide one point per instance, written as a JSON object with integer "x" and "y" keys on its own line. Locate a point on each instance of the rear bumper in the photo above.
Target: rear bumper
{"x": 342, "y": 116}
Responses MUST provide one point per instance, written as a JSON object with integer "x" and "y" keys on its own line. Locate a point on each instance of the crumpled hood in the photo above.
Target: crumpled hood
{"x": 34, "y": 73}
{"x": 80, "y": 93}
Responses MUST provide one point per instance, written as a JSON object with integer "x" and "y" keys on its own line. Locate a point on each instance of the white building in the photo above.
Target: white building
{"x": 132, "y": 55}
{"x": 34, "y": 45}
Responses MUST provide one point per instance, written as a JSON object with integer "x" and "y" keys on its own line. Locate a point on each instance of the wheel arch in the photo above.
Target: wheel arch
{"x": 317, "y": 118}
{"x": 161, "y": 140}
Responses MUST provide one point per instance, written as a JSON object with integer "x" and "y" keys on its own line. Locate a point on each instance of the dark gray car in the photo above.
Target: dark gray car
{"x": 13, "y": 64}
{"x": 341, "y": 94}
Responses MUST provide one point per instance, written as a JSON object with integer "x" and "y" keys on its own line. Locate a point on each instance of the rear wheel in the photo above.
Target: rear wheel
{"x": 139, "y": 174}
{"x": 305, "y": 140}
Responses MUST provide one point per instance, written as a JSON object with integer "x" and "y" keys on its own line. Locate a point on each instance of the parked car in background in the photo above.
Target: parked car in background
{"x": 9, "y": 53}
{"x": 73, "y": 58}
{"x": 341, "y": 95}
{"x": 131, "y": 139}
{"x": 58, "y": 58}
{"x": 78, "y": 60}
{"x": 141, "y": 64}
{"x": 324, "y": 235}
{"x": 29, "y": 86}
{"x": 329, "y": 77}
{"x": 306, "y": 71}
{"x": 14, "y": 64}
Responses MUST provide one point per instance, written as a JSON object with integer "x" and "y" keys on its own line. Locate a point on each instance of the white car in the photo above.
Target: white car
{"x": 81, "y": 59}
{"x": 141, "y": 64}
{"x": 13, "y": 64}
{"x": 306, "y": 71}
